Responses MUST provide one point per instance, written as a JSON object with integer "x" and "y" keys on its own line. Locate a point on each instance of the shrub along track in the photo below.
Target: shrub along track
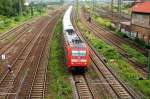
{"x": 30, "y": 56}
{"x": 115, "y": 86}
{"x": 112, "y": 40}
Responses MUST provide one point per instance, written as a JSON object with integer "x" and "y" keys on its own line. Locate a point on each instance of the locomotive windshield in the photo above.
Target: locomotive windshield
{"x": 70, "y": 31}
{"x": 78, "y": 53}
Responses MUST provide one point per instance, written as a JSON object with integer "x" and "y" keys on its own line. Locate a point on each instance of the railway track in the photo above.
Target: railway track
{"x": 122, "y": 40}
{"x": 115, "y": 41}
{"x": 104, "y": 13}
{"x": 113, "y": 16}
{"x": 81, "y": 87}
{"x": 18, "y": 28}
{"x": 10, "y": 85}
{"x": 14, "y": 41}
{"x": 18, "y": 65}
{"x": 14, "y": 34}
{"x": 125, "y": 41}
{"x": 16, "y": 49}
{"x": 13, "y": 49}
{"x": 36, "y": 80}
{"x": 115, "y": 86}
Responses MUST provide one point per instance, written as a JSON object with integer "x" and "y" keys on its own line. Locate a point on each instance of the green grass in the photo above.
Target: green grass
{"x": 115, "y": 61}
{"x": 134, "y": 54}
{"x": 104, "y": 22}
{"x": 59, "y": 85}
{"x": 7, "y": 23}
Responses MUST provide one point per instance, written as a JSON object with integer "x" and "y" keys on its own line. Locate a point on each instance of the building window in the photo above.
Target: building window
{"x": 141, "y": 19}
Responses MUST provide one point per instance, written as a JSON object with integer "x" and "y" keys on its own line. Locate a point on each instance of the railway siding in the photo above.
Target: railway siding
{"x": 16, "y": 45}
{"x": 116, "y": 42}
{"x": 131, "y": 57}
{"x": 101, "y": 23}
{"x": 36, "y": 80}
{"x": 26, "y": 63}
{"x": 22, "y": 64}
{"x": 119, "y": 65}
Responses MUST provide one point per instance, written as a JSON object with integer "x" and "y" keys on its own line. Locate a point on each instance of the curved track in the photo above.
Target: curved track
{"x": 114, "y": 37}
{"x": 116, "y": 87}
{"x": 112, "y": 40}
{"x": 15, "y": 45}
{"x": 18, "y": 65}
{"x": 28, "y": 60}
{"x": 37, "y": 79}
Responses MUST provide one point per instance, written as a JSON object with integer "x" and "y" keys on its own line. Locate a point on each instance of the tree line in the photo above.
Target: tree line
{"x": 11, "y": 7}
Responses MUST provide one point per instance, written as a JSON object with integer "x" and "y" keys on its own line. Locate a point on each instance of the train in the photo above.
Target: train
{"x": 76, "y": 51}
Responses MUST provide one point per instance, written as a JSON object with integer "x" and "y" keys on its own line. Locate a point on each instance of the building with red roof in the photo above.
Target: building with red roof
{"x": 143, "y": 7}
{"x": 140, "y": 22}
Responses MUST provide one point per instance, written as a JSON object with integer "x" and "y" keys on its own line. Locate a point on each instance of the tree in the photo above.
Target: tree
{"x": 11, "y": 7}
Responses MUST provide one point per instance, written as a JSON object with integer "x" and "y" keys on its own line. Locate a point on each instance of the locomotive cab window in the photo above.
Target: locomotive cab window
{"x": 70, "y": 31}
{"x": 78, "y": 53}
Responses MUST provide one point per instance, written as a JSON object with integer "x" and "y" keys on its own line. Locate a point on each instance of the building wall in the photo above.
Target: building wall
{"x": 141, "y": 20}
{"x": 141, "y": 26}
{"x": 143, "y": 33}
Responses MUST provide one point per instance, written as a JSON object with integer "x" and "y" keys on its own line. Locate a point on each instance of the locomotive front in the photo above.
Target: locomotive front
{"x": 78, "y": 59}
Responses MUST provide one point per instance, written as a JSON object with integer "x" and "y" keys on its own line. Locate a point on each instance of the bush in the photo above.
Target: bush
{"x": 101, "y": 21}
{"x": 122, "y": 34}
{"x": 7, "y": 22}
{"x": 108, "y": 24}
{"x": 135, "y": 54}
{"x": 17, "y": 19}
{"x": 104, "y": 22}
{"x": 1, "y": 24}
{"x": 142, "y": 43}
{"x": 112, "y": 28}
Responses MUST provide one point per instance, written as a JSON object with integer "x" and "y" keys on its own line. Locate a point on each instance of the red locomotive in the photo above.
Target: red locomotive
{"x": 77, "y": 53}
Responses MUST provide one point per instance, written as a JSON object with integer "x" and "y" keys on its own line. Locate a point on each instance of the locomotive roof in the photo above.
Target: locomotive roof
{"x": 72, "y": 38}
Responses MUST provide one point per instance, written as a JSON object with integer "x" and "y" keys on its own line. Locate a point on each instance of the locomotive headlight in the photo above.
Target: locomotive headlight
{"x": 83, "y": 60}
{"x": 77, "y": 60}
{"x": 74, "y": 60}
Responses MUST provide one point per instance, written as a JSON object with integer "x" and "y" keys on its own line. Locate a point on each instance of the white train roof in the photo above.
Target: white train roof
{"x": 72, "y": 38}
{"x": 67, "y": 19}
